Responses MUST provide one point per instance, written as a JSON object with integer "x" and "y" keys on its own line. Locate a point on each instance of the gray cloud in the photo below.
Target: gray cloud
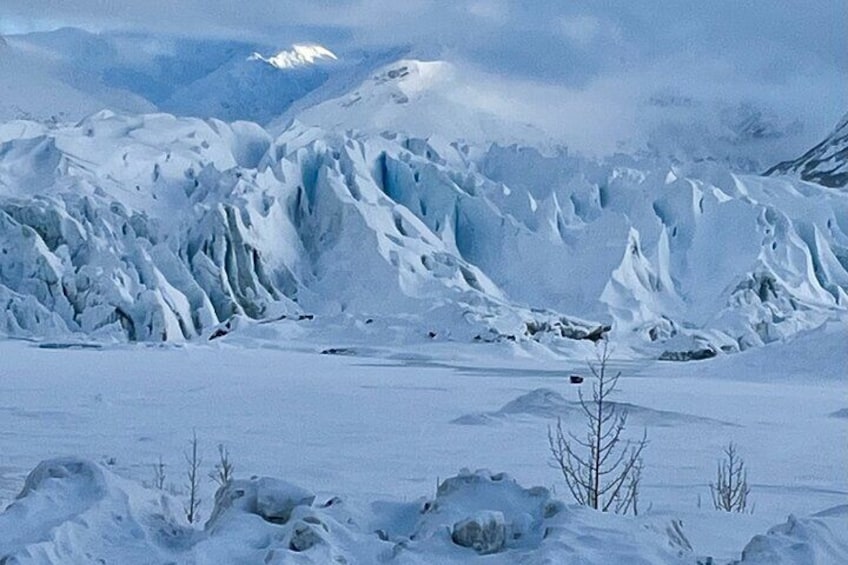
{"x": 639, "y": 28}
{"x": 788, "y": 54}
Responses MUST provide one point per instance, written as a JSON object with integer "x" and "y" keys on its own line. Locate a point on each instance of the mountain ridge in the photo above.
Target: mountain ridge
{"x": 826, "y": 163}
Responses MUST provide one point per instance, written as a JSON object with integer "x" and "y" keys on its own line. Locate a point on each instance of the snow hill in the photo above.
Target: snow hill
{"x": 151, "y": 227}
{"x": 825, "y": 164}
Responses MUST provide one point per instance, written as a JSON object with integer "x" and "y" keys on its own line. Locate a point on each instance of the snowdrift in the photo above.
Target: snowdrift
{"x": 820, "y": 539}
{"x": 153, "y": 227}
{"x": 71, "y": 510}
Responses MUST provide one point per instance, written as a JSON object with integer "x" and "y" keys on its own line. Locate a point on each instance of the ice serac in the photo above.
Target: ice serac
{"x": 825, "y": 164}
{"x": 153, "y": 227}
{"x": 158, "y": 228}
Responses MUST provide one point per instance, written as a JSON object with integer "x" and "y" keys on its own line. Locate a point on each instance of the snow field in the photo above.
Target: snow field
{"x": 382, "y": 428}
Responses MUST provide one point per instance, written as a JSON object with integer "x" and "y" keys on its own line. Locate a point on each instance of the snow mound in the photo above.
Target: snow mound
{"x": 297, "y": 56}
{"x": 549, "y": 404}
{"x": 271, "y": 499}
{"x": 825, "y": 164}
{"x": 71, "y": 510}
{"x": 821, "y": 539}
{"x": 487, "y": 513}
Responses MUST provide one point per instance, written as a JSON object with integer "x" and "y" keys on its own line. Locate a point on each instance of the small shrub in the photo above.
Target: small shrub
{"x": 193, "y": 462}
{"x": 730, "y": 490}
{"x": 222, "y": 474}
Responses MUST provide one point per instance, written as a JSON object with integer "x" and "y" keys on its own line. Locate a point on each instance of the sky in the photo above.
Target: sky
{"x": 534, "y": 37}
{"x": 788, "y": 54}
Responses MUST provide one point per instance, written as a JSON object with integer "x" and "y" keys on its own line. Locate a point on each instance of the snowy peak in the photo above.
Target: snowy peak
{"x": 399, "y": 83}
{"x": 300, "y": 55}
{"x": 825, "y": 164}
{"x": 426, "y": 98}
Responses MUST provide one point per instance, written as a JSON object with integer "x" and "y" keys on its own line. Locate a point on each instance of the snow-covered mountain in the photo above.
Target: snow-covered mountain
{"x": 300, "y": 55}
{"x": 422, "y": 99}
{"x": 246, "y": 88}
{"x": 69, "y": 73}
{"x": 825, "y": 164}
{"x": 37, "y": 83}
{"x": 161, "y": 228}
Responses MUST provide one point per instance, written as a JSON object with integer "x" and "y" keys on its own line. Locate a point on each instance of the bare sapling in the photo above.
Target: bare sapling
{"x": 730, "y": 489}
{"x": 159, "y": 475}
{"x": 601, "y": 469}
{"x": 193, "y": 463}
{"x": 222, "y": 474}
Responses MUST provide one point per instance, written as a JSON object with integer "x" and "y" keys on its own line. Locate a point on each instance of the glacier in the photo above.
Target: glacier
{"x": 152, "y": 227}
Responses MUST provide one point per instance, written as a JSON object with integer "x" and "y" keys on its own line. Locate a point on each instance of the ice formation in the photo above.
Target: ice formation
{"x": 156, "y": 228}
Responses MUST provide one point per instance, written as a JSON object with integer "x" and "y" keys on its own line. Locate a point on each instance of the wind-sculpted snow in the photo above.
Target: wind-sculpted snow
{"x": 158, "y": 228}
{"x": 72, "y": 510}
{"x": 549, "y": 404}
{"x": 819, "y": 539}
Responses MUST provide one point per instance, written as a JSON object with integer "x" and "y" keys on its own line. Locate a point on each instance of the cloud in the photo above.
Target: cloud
{"x": 631, "y": 31}
{"x": 583, "y": 30}
{"x": 597, "y": 59}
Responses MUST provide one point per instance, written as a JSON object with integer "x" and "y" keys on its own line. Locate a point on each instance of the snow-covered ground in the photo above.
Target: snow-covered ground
{"x": 381, "y": 430}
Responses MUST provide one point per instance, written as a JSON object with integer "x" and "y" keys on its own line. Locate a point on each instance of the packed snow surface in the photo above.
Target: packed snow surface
{"x": 360, "y": 457}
